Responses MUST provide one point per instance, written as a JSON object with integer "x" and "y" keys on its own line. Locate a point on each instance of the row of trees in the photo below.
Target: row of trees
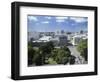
{"x": 83, "y": 49}
{"x": 48, "y": 54}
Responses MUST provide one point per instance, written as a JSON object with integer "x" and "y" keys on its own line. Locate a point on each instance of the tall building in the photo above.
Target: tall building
{"x": 63, "y": 40}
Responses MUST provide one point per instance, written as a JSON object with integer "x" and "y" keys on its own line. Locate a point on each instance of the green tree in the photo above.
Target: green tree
{"x": 34, "y": 56}
{"x": 67, "y": 50}
{"x": 47, "y": 47}
{"x": 31, "y": 53}
{"x": 61, "y": 55}
{"x": 39, "y": 60}
{"x": 71, "y": 59}
{"x": 45, "y": 50}
{"x": 30, "y": 44}
{"x": 54, "y": 53}
{"x": 83, "y": 49}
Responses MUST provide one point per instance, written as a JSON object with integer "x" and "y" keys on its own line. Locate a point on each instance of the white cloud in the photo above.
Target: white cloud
{"x": 33, "y": 18}
{"x": 73, "y": 24}
{"x": 48, "y": 17}
{"x": 78, "y": 19}
{"x": 61, "y": 19}
{"x": 45, "y": 22}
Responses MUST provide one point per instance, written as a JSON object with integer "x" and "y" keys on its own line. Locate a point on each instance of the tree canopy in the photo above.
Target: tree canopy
{"x": 83, "y": 49}
{"x": 48, "y": 54}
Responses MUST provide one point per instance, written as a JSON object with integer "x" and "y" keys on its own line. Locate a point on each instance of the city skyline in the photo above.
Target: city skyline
{"x": 44, "y": 23}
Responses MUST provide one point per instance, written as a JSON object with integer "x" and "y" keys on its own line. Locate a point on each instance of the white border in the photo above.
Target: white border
{"x": 24, "y": 70}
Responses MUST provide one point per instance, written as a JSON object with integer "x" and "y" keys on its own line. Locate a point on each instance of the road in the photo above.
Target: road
{"x": 74, "y": 51}
{"x": 79, "y": 59}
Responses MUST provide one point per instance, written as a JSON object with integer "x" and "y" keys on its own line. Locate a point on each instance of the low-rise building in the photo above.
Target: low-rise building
{"x": 76, "y": 39}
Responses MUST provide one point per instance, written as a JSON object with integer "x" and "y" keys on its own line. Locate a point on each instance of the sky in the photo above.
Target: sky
{"x": 44, "y": 23}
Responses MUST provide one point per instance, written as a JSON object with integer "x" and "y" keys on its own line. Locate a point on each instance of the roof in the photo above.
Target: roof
{"x": 45, "y": 38}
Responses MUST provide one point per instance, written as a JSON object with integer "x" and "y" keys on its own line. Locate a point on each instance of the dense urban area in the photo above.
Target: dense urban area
{"x": 60, "y": 47}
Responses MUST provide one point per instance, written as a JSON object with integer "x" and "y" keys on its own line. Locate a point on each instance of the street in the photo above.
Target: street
{"x": 79, "y": 59}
